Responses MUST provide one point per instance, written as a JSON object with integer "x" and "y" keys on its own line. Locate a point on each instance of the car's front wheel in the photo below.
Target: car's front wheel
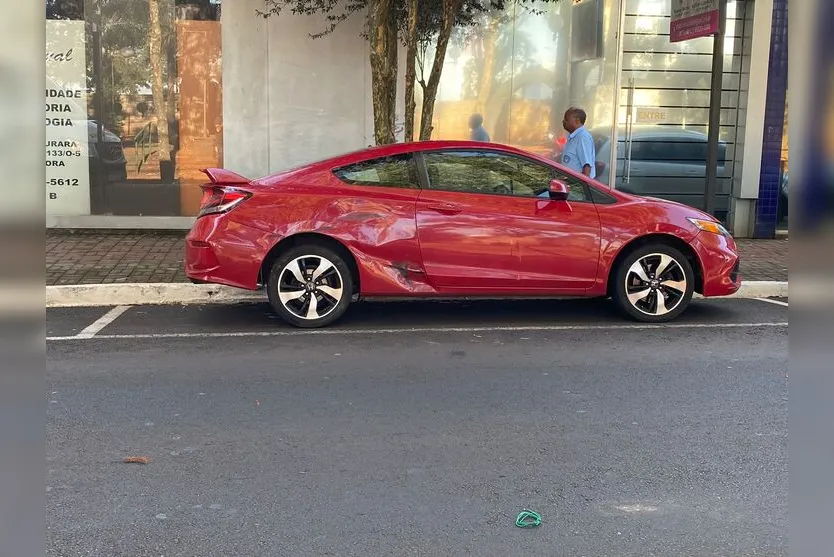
{"x": 653, "y": 284}
{"x": 310, "y": 286}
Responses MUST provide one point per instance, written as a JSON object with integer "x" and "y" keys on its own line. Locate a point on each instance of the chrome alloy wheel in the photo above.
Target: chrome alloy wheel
{"x": 310, "y": 287}
{"x": 655, "y": 284}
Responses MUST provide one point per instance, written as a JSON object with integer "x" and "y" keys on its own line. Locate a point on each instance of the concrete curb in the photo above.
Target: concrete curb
{"x": 762, "y": 289}
{"x": 91, "y": 295}
{"x": 132, "y": 294}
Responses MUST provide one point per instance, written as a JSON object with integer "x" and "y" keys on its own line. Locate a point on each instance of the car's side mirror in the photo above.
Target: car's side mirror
{"x": 558, "y": 191}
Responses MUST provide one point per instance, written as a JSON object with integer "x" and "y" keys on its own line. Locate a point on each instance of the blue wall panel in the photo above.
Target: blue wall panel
{"x": 774, "y": 123}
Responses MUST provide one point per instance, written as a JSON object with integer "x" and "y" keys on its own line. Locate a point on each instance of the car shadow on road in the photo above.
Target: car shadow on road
{"x": 462, "y": 313}
{"x": 421, "y": 314}
{"x": 506, "y": 313}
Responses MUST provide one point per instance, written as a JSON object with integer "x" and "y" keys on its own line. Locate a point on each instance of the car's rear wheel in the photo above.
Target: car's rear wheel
{"x": 310, "y": 286}
{"x": 654, "y": 284}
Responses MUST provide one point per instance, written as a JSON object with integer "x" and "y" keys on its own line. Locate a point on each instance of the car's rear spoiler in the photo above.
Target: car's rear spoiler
{"x": 222, "y": 176}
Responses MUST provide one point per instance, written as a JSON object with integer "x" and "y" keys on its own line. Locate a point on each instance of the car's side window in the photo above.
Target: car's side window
{"x": 601, "y": 198}
{"x": 695, "y": 152}
{"x": 398, "y": 171}
{"x": 649, "y": 150}
{"x": 688, "y": 152}
{"x": 670, "y": 149}
{"x": 486, "y": 172}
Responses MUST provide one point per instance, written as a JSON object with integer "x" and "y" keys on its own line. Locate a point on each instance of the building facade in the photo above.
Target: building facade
{"x": 222, "y": 86}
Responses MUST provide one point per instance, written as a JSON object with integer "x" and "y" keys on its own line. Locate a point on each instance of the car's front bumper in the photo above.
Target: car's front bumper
{"x": 719, "y": 264}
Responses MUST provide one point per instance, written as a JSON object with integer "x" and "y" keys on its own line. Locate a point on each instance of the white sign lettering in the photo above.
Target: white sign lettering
{"x": 692, "y": 19}
{"x": 67, "y": 135}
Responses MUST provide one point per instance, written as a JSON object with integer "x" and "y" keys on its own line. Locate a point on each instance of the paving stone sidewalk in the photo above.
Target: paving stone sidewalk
{"x": 95, "y": 257}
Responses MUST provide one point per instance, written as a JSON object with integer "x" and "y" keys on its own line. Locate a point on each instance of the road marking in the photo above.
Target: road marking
{"x": 336, "y": 332}
{"x": 777, "y": 302}
{"x": 103, "y": 321}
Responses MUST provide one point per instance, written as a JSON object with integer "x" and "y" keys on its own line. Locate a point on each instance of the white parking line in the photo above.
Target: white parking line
{"x": 100, "y": 323}
{"x": 336, "y": 332}
{"x": 777, "y": 302}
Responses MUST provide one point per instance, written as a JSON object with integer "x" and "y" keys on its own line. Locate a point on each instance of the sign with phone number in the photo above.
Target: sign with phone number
{"x": 67, "y": 136}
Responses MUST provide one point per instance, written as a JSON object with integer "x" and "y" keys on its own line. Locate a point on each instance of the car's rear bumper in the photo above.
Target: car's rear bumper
{"x": 719, "y": 263}
{"x": 222, "y": 251}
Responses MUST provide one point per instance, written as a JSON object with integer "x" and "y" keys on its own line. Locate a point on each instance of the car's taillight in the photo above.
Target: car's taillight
{"x": 220, "y": 199}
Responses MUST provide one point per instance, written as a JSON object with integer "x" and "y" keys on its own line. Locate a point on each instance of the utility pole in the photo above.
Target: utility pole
{"x": 715, "y": 109}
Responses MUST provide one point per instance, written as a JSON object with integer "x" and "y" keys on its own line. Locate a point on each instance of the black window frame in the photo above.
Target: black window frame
{"x": 599, "y": 197}
{"x": 412, "y": 159}
{"x": 555, "y": 173}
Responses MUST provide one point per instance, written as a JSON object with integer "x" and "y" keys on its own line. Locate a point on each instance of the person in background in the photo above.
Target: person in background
{"x": 579, "y": 153}
{"x": 476, "y": 124}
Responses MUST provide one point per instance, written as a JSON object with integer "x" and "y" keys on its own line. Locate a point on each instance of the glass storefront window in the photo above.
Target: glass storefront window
{"x": 140, "y": 83}
{"x": 664, "y": 107}
{"x": 521, "y": 69}
{"x": 141, "y": 88}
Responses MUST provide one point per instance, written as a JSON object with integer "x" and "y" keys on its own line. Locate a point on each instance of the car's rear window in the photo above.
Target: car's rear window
{"x": 398, "y": 171}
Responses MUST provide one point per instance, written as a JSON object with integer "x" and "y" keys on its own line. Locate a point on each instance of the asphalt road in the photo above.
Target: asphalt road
{"x": 418, "y": 430}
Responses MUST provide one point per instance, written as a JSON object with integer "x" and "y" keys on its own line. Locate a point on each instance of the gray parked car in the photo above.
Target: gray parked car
{"x": 664, "y": 162}
{"x": 107, "y": 159}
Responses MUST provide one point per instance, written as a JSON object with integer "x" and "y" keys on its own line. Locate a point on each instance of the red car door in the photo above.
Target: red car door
{"x": 485, "y": 221}
{"x": 559, "y": 248}
{"x": 466, "y": 232}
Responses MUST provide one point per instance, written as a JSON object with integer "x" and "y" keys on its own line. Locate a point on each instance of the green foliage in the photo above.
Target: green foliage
{"x": 125, "y": 57}
{"x": 430, "y": 14}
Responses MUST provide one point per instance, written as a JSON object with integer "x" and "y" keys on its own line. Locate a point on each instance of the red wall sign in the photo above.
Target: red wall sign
{"x": 692, "y": 19}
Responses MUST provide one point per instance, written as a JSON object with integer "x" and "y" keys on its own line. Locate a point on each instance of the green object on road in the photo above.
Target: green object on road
{"x": 528, "y": 519}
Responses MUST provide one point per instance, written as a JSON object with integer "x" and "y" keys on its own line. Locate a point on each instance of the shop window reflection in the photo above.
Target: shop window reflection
{"x": 122, "y": 81}
{"x": 664, "y": 106}
{"x": 518, "y": 71}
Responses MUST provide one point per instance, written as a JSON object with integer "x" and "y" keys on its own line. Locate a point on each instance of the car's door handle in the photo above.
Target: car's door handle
{"x": 445, "y": 208}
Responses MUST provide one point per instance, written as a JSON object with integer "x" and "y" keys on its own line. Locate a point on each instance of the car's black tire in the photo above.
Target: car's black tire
{"x": 292, "y": 298}
{"x": 658, "y": 299}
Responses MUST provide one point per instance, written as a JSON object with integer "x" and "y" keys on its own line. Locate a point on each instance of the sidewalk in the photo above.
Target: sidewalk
{"x": 112, "y": 257}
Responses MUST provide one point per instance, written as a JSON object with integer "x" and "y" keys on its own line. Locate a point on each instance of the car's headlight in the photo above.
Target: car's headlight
{"x": 709, "y": 226}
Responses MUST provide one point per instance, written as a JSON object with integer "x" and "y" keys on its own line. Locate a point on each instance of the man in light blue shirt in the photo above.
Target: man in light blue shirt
{"x": 579, "y": 153}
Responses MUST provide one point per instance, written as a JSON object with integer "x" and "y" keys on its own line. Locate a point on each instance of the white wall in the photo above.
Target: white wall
{"x": 289, "y": 99}
{"x": 245, "y": 130}
{"x": 751, "y": 120}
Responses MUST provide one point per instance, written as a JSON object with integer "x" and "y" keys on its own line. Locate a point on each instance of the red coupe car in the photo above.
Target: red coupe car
{"x": 451, "y": 219}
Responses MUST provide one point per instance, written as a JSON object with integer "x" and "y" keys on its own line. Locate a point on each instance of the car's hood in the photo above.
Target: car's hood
{"x": 694, "y": 213}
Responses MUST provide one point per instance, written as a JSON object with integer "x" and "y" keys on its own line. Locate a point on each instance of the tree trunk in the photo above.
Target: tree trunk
{"x": 155, "y": 43}
{"x": 393, "y": 68}
{"x": 450, "y": 9}
{"x": 410, "y": 70}
{"x": 383, "y": 70}
{"x": 169, "y": 29}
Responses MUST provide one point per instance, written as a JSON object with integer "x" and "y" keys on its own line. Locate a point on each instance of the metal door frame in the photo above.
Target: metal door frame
{"x": 618, "y": 83}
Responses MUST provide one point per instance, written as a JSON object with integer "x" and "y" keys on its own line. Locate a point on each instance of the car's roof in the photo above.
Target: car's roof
{"x": 398, "y": 149}
{"x": 419, "y": 146}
